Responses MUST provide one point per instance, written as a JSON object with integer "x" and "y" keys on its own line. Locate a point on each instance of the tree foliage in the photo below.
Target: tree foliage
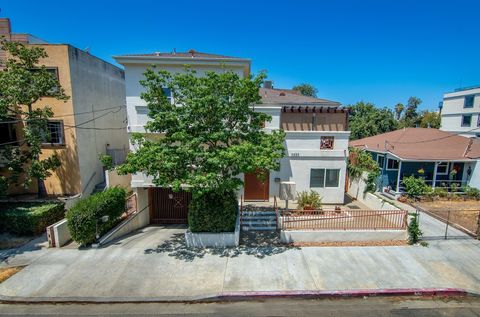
{"x": 306, "y": 90}
{"x": 23, "y": 83}
{"x": 430, "y": 119}
{"x": 366, "y": 120}
{"x": 410, "y": 117}
{"x": 209, "y": 135}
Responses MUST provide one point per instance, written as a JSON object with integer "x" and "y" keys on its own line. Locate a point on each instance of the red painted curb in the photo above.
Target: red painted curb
{"x": 350, "y": 293}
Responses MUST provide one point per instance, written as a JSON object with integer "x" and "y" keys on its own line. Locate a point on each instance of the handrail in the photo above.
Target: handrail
{"x": 241, "y": 211}
{"x": 275, "y": 206}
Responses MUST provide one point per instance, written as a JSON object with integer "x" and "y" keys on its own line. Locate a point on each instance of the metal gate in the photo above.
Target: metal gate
{"x": 167, "y": 206}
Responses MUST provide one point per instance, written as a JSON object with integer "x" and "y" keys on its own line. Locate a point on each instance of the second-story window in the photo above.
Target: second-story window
{"x": 8, "y": 135}
{"x": 326, "y": 142}
{"x": 168, "y": 93}
{"x": 468, "y": 103}
{"x": 466, "y": 120}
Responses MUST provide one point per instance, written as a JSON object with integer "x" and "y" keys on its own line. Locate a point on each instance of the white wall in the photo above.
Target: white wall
{"x": 453, "y": 109}
{"x": 474, "y": 180}
{"x": 96, "y": 85}
{"x": 137, "y": 107}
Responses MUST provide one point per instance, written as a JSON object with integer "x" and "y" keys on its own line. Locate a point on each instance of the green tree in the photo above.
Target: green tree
{"x": 23, "y": 83}
{"x": 366, "y": 120}
{"x": 399, "y": 107}
{"x": 430, "y": 119}
{"x": 411, "y": 116}
{"x": 306, "y": 90}
{"x": 209, "y": 136}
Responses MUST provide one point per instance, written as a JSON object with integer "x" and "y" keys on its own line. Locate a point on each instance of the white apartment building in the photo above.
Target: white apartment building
{"x": 316, "y": 135}
{"x": 461, "y": 112}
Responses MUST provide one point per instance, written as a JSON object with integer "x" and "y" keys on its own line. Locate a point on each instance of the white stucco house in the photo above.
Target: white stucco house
{"x": 316, "y": 135}
{"x": 461, "y": 112}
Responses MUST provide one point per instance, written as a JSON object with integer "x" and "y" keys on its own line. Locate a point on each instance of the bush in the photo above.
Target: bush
{"x": 415, "y": 187}
{"x": 84, "y": 216}
{"x": 30, "y": 218}
{"x": 472, "y": 192}
{"x": 440, "y": 192}
{"x": 213, "y": 211}
{"x": 309, "y": 199}
{"x": 414, "y": 232}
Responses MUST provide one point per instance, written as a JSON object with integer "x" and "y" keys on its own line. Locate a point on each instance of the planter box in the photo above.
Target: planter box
{"x": 214, "y": 240}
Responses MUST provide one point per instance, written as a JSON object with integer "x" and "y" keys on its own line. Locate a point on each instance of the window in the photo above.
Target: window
{"x": 8, "y": 135}
{"x": 168, "y": 93}
{"x": 54, "y": 133}
{"x": 392, "y": 164}
{"x": 380, "y": 160}
{"x": 320, "y": 178}
{"x": 478, "y": 121}
{"x": 317, "y": 178}
{"x": 468, "y": 102}
{"x": 442, "y": 168}
{"x": 332, "y": 178}
{"x": 326, "y": 142}
{"x": 466, "y": 120}
{"x": 54, "y": 72}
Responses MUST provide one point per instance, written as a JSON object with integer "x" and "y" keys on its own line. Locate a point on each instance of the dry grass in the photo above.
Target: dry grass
{"x": 463, "y": 213}
{"x": 7, "y": 272}
{"x": 384, "y": 243}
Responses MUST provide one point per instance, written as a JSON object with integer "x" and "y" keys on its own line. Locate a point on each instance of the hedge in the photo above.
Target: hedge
{"x": 29, "y": 218}
{"x": 213, "y": 212}
{"x": 85, "y": 214}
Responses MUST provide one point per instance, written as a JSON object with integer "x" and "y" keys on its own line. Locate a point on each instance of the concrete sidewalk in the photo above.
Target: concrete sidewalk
{"x": 154, "y": 263}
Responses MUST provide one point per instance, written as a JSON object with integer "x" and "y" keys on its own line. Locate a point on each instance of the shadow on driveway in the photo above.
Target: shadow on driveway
{"x": 257, "y": 244}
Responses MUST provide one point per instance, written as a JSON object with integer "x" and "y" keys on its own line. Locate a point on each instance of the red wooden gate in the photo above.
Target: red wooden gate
{"x": 167, "y": 206}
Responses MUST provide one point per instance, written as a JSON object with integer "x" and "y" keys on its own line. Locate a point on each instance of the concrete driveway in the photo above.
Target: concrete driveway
{"x": 154, "y": 263}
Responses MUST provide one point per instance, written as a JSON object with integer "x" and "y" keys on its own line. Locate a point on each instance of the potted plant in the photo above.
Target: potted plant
{"x": 309, "y": 200}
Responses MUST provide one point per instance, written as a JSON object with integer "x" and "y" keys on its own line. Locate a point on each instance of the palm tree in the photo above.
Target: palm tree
{"x": 398, "y": 110}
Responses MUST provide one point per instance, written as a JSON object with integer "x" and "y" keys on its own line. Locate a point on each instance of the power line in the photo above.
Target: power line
{"x": 65, "y": 115}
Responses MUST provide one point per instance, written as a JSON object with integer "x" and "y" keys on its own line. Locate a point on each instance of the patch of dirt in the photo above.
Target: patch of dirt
{"x": 463, "y": 213}
{"x": 9, "y": 241}
{"x": 385, "y": 243}
{"x": 7, "y": 272}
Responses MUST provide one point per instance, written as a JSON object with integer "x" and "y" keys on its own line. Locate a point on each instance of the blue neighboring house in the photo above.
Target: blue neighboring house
{"x": 440, "y": 157}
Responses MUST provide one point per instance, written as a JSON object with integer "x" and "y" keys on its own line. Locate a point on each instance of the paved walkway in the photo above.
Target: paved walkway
{"x": 155, "y": 263}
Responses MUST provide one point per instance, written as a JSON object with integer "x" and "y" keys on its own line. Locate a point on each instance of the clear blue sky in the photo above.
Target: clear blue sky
{"x": 380, "y": 51}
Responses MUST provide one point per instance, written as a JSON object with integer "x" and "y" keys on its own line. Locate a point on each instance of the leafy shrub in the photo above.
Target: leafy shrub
{"x": 29, "y": 218}
{"x": 106, "y": 160}
{"x": 472, "y": 192}
{"x": 414, "y": 187}
{"x": 84, "y": 216}
{"x": 414, "y": 232}
{"x": 213, "y": 211}
{"x": 309, "y": 199}
{"x": 440, "y": 192}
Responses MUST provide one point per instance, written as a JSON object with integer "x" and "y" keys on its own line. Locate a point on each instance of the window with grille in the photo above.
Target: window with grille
{"x": 54, "y": 133}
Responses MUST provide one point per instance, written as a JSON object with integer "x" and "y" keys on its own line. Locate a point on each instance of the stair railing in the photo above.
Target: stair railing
{"x": 241, "y": 211}
{"x": 277, "y": 215}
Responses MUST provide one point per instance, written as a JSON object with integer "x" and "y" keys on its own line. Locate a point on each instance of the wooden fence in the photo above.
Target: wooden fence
{"x": 344, "y": 220}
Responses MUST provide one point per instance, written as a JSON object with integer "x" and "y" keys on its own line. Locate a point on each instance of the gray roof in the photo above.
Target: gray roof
{"x": 190, "y": 53}
{"x": 291, "y": 97}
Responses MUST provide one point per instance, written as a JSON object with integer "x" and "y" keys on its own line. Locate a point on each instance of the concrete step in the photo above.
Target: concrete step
{"x": 259, "y": 228}
{"x": 259, "y": 213}
{"x": 259, "y": 223}
{"x": 259, "y": 217}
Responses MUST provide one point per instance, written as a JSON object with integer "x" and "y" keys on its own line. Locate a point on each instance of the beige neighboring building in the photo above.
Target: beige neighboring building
{"x": 92, "y": 122}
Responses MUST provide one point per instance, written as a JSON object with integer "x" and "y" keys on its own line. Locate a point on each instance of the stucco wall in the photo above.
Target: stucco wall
{"x": 453, "y": 109}
{"x": 356, "y": 189}
{"x": 114, "y": 179}
{"x": 98, "y": 91}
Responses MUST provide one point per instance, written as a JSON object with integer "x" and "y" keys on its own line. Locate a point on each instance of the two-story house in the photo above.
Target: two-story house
{"x": 91, "y": 122}
{"x": 316, "y": 145}
{"x": 461, "y": 112}
{"x": 316, "y": 135}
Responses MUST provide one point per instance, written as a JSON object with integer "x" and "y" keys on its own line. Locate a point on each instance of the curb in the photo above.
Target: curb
{"x": 248, "y": 295}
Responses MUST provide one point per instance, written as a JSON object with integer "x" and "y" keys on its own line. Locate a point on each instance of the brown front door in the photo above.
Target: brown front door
{"x": 168, "y": 207}
{"x": 256, "y": 189}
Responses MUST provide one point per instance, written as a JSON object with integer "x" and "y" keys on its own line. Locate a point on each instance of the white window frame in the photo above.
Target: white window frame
{"x": 465, "y": 101}
{"x": 383, "y": 160}
{"x": 464, "y": 116}
{"x": 61, "y": 131}
{"x": 447, "y": 170}
{"x": 325, "y": 177}
{"x": 392, "y": 169}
